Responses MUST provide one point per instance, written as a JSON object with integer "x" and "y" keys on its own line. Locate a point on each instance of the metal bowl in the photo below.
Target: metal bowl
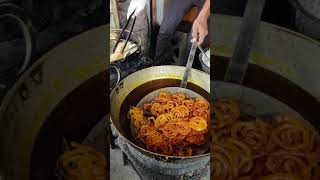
{"x": 137, "y": 85}
{"x": 134, "y": 38}
{"x": 205, "y": 65}
{"x": 282, "y": 64}
{"x": 26, "y": 112}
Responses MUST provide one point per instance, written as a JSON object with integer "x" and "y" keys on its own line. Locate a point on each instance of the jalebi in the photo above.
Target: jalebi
{"x": 171, "y": 123}
{"x": 282, "y": 147}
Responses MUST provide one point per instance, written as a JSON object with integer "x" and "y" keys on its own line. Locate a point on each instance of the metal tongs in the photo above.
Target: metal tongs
{"x": 122, "y": 31}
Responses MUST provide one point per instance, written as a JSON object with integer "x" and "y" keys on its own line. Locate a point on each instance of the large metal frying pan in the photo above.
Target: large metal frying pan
{"x": 29, "y": 103}
{"x": 288, "y": 80}
{"x": 13, "y": 11}
{"x": 265, "y": 93}
{"x": 197, "y": 150}
{"x": 137, "y": 85}
{"x": 260, "y": 103}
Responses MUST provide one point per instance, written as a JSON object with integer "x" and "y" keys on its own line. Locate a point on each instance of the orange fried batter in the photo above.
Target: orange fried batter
{"x": 282, "y": 147}
{"x": 172, "y": 123}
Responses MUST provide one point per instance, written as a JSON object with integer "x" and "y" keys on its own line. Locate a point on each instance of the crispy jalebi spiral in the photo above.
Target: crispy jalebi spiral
{"x": 243, "y": 157}
{"x": 223, "y": 164}
{"x": 225, "y": 111}
{"x": 178, "y": 97}
{"x": 154, "y": 138}
{"x": 254, "y": 133}
{"x": 296, "y": 164}
{"x": 82, "y": 163}
{"x": 188, "y": 103}
{"x": 135, "y": 113}
{"x": 161, "y": 121}
{"x": 173, "y": 129}
{"x": 164, "y": 97}
{"x": 145, "y": 131}
{"x": 281, "y": 148}
{"x": 169, "y": 106}
{"x": 180, "y": 112}
{"x": 185, "y": 111}
{"x": 169, "y": 130}
{"x": 204, "y": 113}
{"x": 198, "y": 123}
{"x": 138, "y": 123}
{"x": 172, "y": 124}
{"x": 280, "y": 176}
{"x": 157, "y": 109}
{"x": 292, "y": 135}
{"x": 233, "y": 158}
{"x": 201, "y": 104}
{"x": 183, "y": 128}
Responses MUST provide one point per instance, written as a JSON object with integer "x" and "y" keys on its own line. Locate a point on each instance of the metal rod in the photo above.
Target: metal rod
{"x": 239, "y": 61}
{"x": 189, "y": 65}
{"x": 130, "y": 32}
{"x": 204, "y": 53}
{"x": 122, "y": 30}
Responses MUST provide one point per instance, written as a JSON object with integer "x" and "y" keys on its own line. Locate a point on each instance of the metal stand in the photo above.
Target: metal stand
{"x": 150, "y": 169}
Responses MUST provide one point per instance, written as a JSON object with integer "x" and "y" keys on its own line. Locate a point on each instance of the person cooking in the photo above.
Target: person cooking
{"x": 177, "y": 9}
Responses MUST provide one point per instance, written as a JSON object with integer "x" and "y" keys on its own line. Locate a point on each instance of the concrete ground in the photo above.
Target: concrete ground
{"x": 117, "y": 170}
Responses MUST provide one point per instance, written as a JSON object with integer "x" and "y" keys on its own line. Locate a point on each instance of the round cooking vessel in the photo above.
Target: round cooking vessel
{"x": 283, "y": 65}
{"x": 137, "y": 85}
{"x": 130, "y": 57}
{"x": 205, "y": 64}
{"x": 134, "y": 38}
{"x": 64, "y": 93}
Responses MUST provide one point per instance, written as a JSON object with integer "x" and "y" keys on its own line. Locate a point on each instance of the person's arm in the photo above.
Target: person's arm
{"x": 200, "y": 25}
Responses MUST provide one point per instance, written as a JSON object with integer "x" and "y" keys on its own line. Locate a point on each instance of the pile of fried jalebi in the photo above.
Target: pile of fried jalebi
{"x": 284, "y": 148}
{"x": 171, "y": 123}
{"x": 82, "y": 162}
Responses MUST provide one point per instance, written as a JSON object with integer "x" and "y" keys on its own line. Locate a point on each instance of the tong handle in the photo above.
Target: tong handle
{"x": 127, "y": 39}
{"x": 122, "y": 30}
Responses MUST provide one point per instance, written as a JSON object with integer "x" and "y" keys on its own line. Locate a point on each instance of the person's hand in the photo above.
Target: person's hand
{"x": 137, "y": 5}
{"x": 200, "y": 29}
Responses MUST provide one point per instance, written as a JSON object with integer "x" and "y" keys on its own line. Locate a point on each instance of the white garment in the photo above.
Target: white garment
{"x": 137, "y": 5}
